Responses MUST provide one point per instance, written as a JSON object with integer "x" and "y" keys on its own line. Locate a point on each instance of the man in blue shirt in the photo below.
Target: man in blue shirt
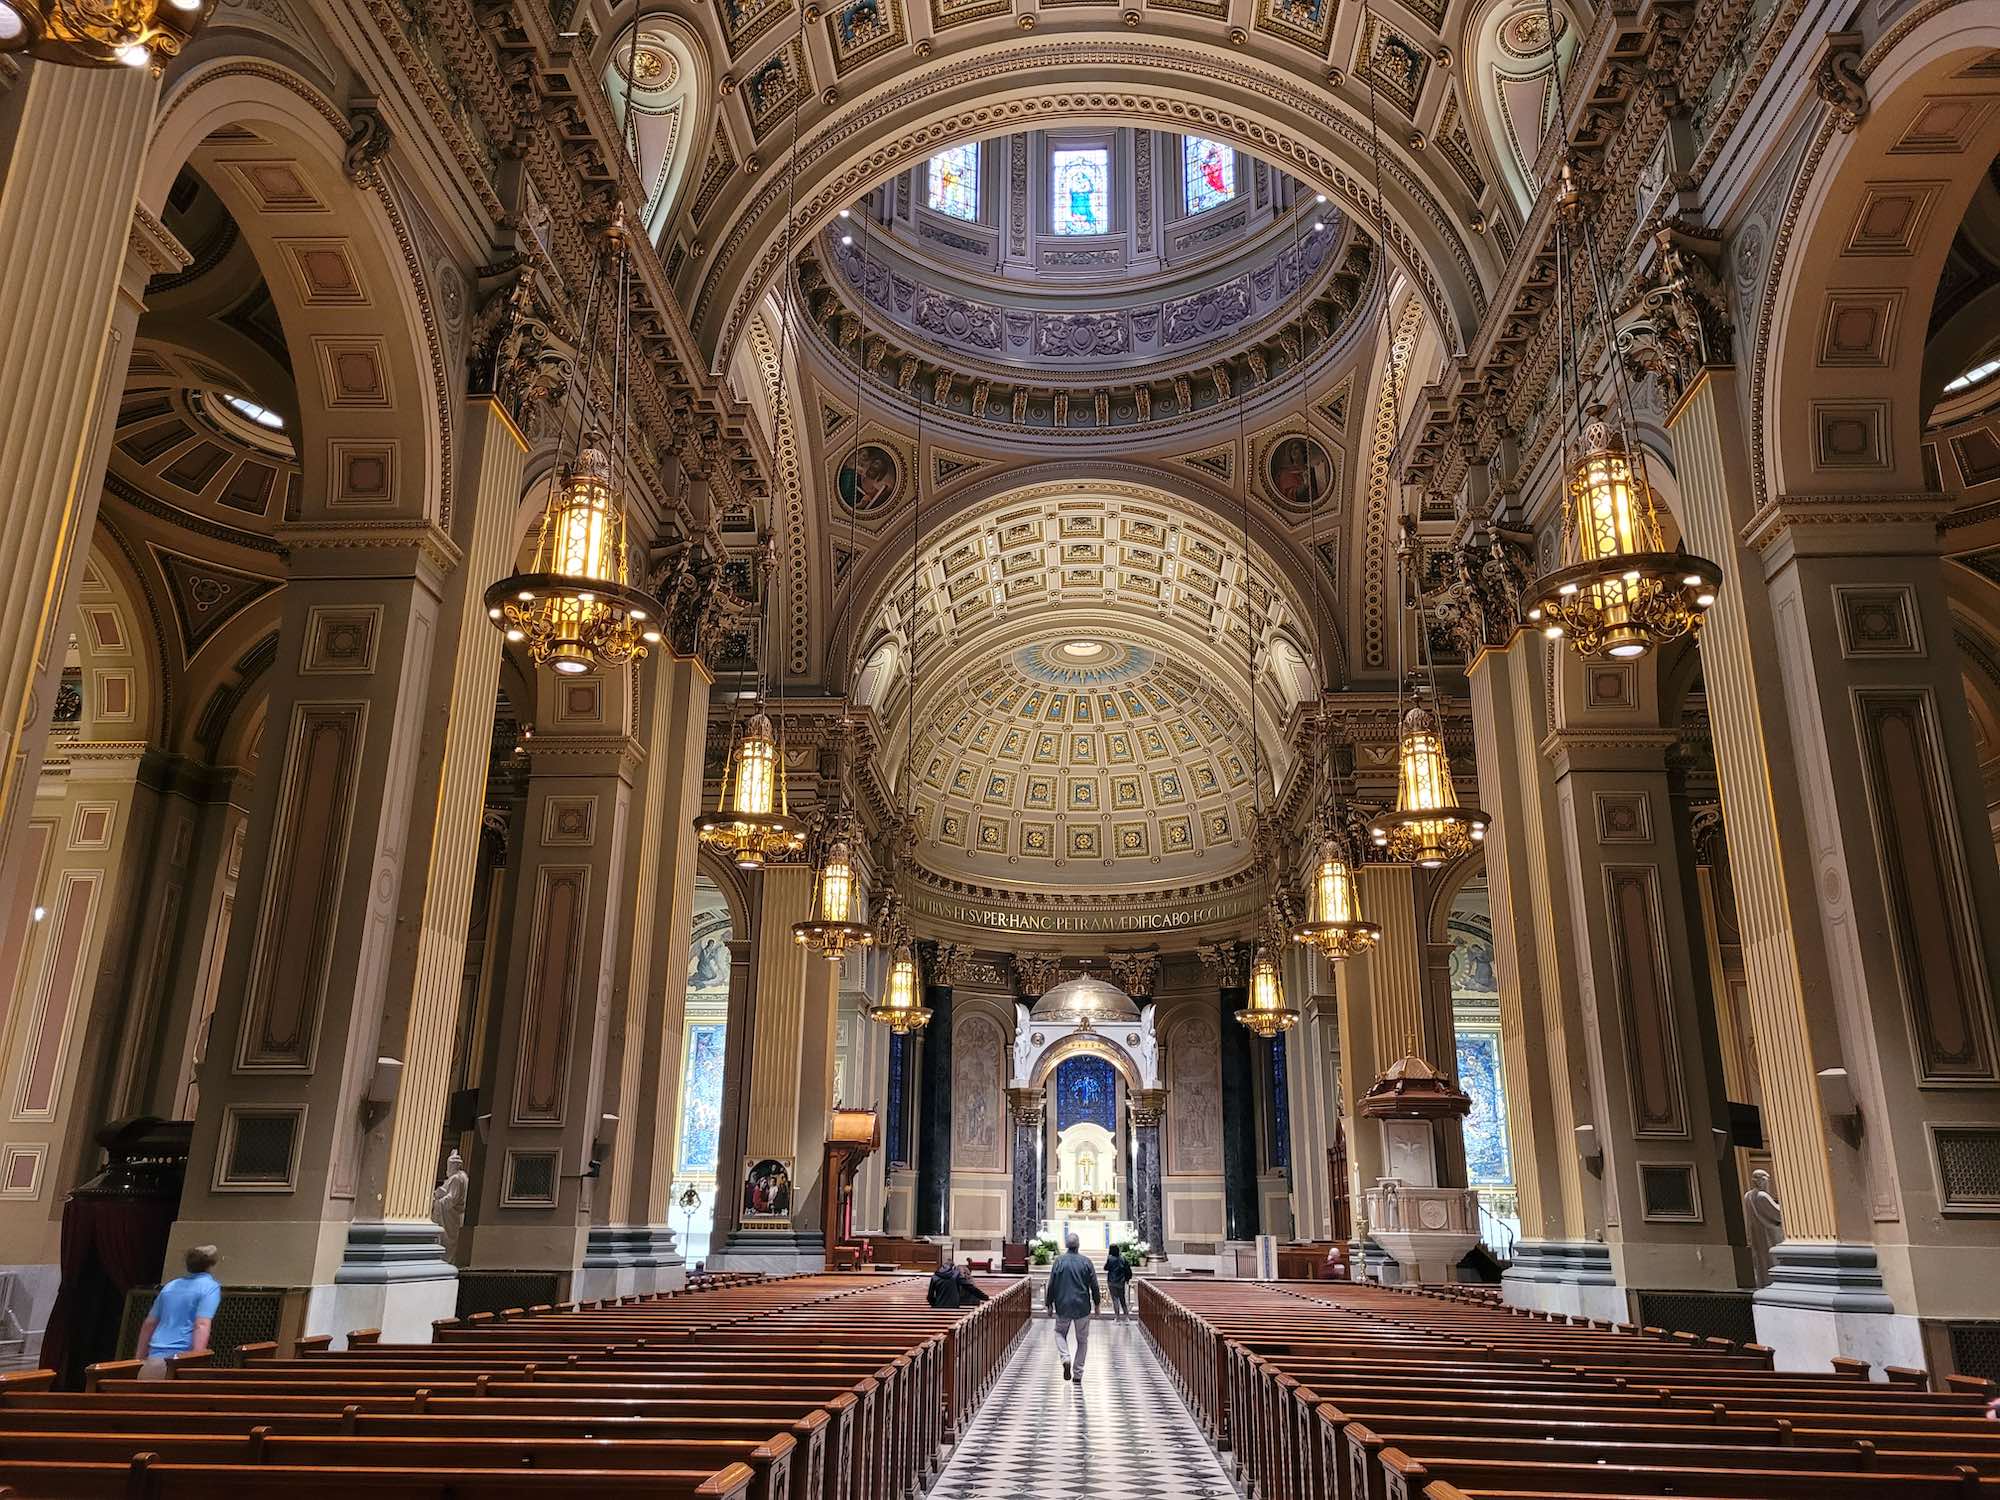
{"x": 1072, "y": 1296}
{"x": 184, "y": 1311}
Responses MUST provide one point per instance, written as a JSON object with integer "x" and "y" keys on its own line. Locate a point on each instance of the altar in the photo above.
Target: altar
{"x": 1095, "y": 1233}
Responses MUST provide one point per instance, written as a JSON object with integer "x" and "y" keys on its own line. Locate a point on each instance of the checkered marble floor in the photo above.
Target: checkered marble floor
{"x": 1122, "y": 1433}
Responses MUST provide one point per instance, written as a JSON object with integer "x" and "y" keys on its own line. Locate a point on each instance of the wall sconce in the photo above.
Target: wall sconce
{"x": 1836, "y": 1098}
{"x": 383, "y": 1086}
{"x": 1589, "y": 1148}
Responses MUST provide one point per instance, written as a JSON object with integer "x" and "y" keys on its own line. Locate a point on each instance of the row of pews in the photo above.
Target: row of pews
{"x": 792, "y": 1388}
{"x": 1323, "y": 1391}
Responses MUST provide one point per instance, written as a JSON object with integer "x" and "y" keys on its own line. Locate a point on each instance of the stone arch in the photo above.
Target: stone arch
{"x": 1086, "y": 1044}
{"x": 1836, "y": 387}
{"x": 1445, "y": 889}
{"x": 1119, "y": 79}
{"x": 375, "y": 386}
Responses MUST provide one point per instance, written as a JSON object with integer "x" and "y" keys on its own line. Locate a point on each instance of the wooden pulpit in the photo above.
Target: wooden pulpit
{"x": 852, "y": 1135}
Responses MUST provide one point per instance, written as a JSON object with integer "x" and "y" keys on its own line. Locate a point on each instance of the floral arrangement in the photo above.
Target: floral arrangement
{"x": 1042, "y": 1251}
{"x": 1133, "y": 1252}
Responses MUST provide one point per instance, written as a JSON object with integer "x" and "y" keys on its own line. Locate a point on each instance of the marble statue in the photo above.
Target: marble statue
{"x": 448, "y": 1202}
{"x": 1763, "y": 1225}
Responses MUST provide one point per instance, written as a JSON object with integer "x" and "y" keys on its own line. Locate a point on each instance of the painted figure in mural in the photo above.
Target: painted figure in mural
{"x": 1763, "y": 1225}
{"x": 867, "y": 481}
{"x": 1472, "y": 965}
{"x": 1300, "y": 472}
{"x": 767, "y": 1191}
{"x": 708, "y": 964}
{"x": 448, "y": 1202}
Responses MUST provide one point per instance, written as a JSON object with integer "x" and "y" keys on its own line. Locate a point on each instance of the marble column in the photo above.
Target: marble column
{"x": 1242, "y": 1216}
{"x": 934, "y": 1108}
{"x": 732, "y": 1131}
{"x": 1026, "y": 1208}
{"x": 75, "y": 144}
{"x": 1149, "y": 1111}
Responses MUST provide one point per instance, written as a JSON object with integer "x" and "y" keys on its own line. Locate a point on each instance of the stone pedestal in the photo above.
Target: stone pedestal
{"x": 1427, "y": 1230}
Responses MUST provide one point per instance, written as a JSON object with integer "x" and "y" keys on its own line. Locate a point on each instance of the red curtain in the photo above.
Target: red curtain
{"x": 109, "y": 1246}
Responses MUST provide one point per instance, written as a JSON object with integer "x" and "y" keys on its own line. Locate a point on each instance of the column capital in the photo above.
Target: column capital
{"x": 1136, "y": 973}
{"x": 1225, "y": 961}
{"x": 369, "y": 549}
{"x": 1846, "y": 525}
{"x": 1608, "y": 749}
{"x": 1148, "y": 1106}
{"x": 1037, "y": 973}
{"x": 1027, "y": 1105}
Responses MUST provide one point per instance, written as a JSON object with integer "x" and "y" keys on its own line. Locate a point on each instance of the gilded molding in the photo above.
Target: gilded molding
{"x": 1771, "y": 524}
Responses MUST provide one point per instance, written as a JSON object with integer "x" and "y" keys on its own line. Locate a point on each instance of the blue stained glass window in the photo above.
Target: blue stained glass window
{"x": 701, "y": 1099}
{"x": 1281, "y": 1107}
{"x": 1078, "y": 181}
{"x": 954, "y": 182}
{"x": 1086, "y": 1089}
{"x": 1209, "y": 170}
{"x": 899, "y": 1144}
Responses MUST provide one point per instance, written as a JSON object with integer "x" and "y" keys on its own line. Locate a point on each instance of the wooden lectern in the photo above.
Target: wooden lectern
{"x": 852, "y": 1135}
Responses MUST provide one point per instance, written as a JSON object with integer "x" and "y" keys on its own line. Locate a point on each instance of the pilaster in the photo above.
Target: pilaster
{"x": 934, "y": 1111}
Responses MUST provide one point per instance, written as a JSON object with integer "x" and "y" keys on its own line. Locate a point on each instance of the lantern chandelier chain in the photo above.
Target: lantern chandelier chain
{"x": 839, "y": 921}
{"x": 1265, "y": 1013}
{"x": 1617, "y": 590}
{"x": 102, "y": 33}
{"x": 576, "y": 609}
{"x": 1333, "y": 922}
{"x": 1427, "y": 827}
{"x": 901, "y": 1007}
{"x": 752, "y": 822}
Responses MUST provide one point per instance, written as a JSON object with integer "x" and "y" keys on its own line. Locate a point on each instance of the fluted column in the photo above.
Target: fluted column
{"x": 1149, "y": 1111}
{"x": 1025, "y": 1107}
{"x": 393, "y": 1246}
{"x": 634, "y": 1243}
{"x": 292, "y": 1085}
{"x": 539, "y": 1172}
{"x": 75, "y": 143}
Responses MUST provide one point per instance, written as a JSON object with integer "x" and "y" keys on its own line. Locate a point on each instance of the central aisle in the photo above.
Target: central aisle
{"x": 1121, "y": 1434}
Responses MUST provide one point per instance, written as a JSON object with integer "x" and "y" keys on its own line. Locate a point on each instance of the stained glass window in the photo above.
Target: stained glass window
{"x": 1281, "y": 1108}
{"x": 1086, "y": 1089}
{"x": 954, "y": 182}
{"x": 1078, "y": 181}
{"x": 1209, "y": 170}
{"x": 701, "y": 1099}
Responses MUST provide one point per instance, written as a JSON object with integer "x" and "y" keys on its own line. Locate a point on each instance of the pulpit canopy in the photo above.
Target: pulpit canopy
{"x": 1411, "y": 1089}
{"x": 1084, "y": 998}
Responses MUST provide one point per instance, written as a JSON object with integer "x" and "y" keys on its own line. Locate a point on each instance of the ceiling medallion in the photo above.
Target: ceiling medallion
{"x": 102, "y": 33}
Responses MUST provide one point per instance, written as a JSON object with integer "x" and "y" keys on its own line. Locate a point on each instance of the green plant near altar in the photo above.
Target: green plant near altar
{"x": 1042, "y": 1251}
{"x": 1065, "y": 1200}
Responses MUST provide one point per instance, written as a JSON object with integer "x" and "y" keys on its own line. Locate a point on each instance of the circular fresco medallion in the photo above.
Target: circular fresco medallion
{"x": 868, "y": 480}
{"x": 1299, "y": 472}
{"x": 1525, "y": 34}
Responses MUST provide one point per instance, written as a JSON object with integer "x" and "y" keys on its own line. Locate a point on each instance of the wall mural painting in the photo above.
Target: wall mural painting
{"x": 868, "y": 480}
{"x": 701, "y": 1100}
{"x": 1299, "y": 471}
{"x": 1086, "y": 1089}
{"x": 767, "y": 1189}
{"x": 1194, "y": 1097}
{"x": 977, "y": 1063}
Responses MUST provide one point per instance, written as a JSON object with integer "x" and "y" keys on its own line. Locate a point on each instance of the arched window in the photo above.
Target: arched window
{"x": 1208, "y": 170}
{"x": 954, "y": 182}
{"x": 1079, "y": 187}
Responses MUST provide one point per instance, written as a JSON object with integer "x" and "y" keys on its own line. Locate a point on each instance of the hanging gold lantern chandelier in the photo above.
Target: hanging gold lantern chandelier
{"x": 901, "y": 1007}
{"x": 575, "y": 608}
{"x": 1428, "y": 827}
{"x": 1267, "y": 1014}
{"x": 1620, "y": 592}
{"x": 102, "y": 33}
{"x": 833, "y": 928}
{"x": 1334, "y": 924}
{"x": 752, "y": 822}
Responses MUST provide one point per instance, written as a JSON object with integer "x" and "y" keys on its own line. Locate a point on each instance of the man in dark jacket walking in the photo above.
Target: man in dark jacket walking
{"x": 1072, "y": 1297}
{"x": 1117, "y": 1276}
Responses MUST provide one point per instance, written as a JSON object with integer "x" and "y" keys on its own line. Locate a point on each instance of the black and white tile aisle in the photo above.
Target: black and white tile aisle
{"x": 1122, "y": 1433}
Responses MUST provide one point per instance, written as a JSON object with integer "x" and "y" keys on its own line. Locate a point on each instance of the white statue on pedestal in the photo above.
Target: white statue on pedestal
{"x": 448, "y": 1202}
{"x": 1763, "y": 1225}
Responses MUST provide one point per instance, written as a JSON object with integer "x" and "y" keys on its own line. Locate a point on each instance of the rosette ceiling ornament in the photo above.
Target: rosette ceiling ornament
{"x": 102, "y": 33}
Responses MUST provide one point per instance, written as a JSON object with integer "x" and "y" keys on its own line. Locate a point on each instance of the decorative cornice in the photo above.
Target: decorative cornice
{"x": 155, "y": 245}
{"x": 1785, "y": 514}
{"x": 429, "y": 542}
